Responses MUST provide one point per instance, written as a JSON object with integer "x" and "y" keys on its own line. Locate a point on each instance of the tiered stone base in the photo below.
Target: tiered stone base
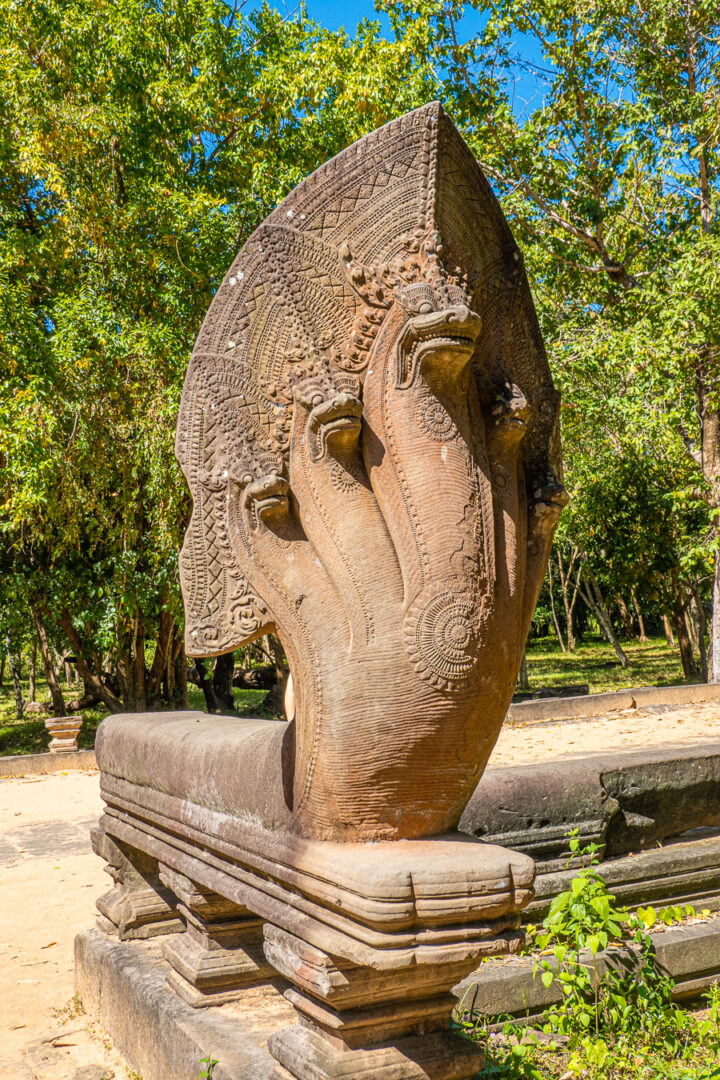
{"x": 366, "y": 940}
{"x": 123, "y": 985}
{"x": 64, "y": 731}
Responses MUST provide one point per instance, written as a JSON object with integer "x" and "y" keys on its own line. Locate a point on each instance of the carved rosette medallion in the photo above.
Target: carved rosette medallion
{"x": 434, "y": 419}
{"x": 442, "y": 634}
{"x": 343, "y": 477}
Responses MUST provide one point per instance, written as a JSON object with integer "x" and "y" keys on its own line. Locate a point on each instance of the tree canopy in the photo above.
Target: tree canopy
{"x": 140, "y": 144}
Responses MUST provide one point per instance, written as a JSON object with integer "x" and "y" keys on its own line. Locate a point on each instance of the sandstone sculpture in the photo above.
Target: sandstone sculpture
{"x": 369, "y": 432}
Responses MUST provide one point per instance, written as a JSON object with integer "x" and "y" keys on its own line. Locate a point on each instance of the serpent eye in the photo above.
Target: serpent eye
{"x": 418, "y": 299}
{"x": 456, "y": 295}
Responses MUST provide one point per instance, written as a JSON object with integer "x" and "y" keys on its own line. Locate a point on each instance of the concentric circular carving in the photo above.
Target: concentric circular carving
{"x": 342, "y": 478}
{"x": 435, "y": 420}
{"x": 442, "y": 638}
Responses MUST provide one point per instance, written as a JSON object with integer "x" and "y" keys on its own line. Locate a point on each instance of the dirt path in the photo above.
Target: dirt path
{"x": 49, "y": 880}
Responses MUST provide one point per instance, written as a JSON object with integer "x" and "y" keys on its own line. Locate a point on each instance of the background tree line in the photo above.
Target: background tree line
{"x": 140, "y": 144}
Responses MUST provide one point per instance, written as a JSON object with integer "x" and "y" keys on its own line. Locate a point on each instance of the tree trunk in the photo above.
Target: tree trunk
{"x": 56, "y": 694}
{"x": 3, "y": 658}
{"x": 700, "y": 620}
{"x": 625, "y": 617}
{"x": 523, "y": 682}
{"x": 667, "y": 627}
{"x": 687, "y": 658}
{"x": 141, "y": 702}
{"x": 710, "y": 419}
{"x": 638, "y": 612}
{"x": 276, "y": 696}
{"x": 181, "y": 680}
{"x": 93, "y": 681}
{"x": 33, "y": 666}
{"x": 556, "y": 624}
{"x": 222, "y": 681}
{"x": 594, "y": 599}
{"x": 714, "y": 663}
{"x": 163, "y": 651}
{"x": 206, "y": 685}
{"x": 14, "y": 661}
{"x": 567, "y": 604}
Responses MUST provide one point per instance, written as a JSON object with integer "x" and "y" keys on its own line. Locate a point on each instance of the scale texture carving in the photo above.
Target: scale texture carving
{"x": 369, "y": 431}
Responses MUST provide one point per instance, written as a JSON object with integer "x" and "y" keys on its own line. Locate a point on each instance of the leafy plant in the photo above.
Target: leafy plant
{"x": 209, "y": 1062}
{"x": 616, "y": 1018}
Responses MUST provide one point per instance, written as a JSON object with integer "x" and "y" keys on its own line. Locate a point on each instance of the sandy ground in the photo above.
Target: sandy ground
{"x": 632, "y": 728}
{"x": 49, "y": 880}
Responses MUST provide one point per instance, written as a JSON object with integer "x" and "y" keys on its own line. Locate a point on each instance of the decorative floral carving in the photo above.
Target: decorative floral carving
{"x": 442, "y": 637}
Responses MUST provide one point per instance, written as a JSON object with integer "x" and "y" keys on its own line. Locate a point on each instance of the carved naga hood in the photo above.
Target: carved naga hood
{"x": 404, "y": 217}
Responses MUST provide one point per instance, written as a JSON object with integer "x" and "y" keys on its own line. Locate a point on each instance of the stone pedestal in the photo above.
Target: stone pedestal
{"x": 220, "y": 954}
{"x": 64, "y": 731}
{"x": 123, "y": 986}
{"x": 350, "y": 429}
{"x": 356, "y": 1022}
{"x": 138, "y": 905}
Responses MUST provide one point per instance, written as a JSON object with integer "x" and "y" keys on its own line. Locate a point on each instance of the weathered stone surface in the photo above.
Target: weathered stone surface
{"x": 437, "y": 1056}
{"x": 64, "y": 731}
{"x": 41, "y": 764}
{"x": 369, "y": 432}
{"x": 625, "y": 800}
{"x": 639, "y": 697}
{"x": 690, "y": 954}
{"x": 123, "y": 985}
{"x": 356, "y": 1022}
{"x": 220, "y": 953}
{"x": 679, "y": 873}
{"x": 138, "y": 905}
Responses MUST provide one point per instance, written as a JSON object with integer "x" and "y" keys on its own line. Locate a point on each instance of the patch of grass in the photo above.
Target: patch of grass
{"x": 28, "y": 736}
{"x": 651, "y": 663}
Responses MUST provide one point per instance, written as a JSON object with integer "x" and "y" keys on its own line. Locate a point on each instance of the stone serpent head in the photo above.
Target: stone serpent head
{"x": 386, "y": 431}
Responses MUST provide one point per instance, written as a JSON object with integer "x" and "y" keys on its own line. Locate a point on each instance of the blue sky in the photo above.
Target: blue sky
{"x": 333, "y": 14}
{"x": 348, "y": 13}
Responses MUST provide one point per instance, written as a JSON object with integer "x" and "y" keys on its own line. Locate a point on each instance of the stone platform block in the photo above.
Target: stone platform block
{"x": 624, "y": 800}
{"x": 123, "y": 986}
{"x": 689, "y": 954}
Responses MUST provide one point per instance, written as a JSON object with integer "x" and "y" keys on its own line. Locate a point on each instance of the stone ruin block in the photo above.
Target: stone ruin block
{"x": 64, "y": 731}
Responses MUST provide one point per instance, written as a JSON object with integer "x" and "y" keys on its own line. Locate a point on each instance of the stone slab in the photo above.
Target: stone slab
{"x": 678, "y": 873}
{"x": 690, "y": 954}
{"x": 122, "y": 985}
{"x": 626, "y": 800}
{"x": 543, "y": 710}
{"x": 44, "y": 764}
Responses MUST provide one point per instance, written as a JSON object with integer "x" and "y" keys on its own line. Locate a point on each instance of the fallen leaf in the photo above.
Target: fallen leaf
{"x": 49, "y": 944}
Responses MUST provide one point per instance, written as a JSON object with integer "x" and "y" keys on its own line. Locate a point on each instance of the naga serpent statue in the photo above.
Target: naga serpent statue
{"x": 369, "y": 431}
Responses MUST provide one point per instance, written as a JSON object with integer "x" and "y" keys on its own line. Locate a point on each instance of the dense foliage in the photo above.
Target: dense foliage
{"x": 140, "y": 144}
{"x": 615, "y": 1018}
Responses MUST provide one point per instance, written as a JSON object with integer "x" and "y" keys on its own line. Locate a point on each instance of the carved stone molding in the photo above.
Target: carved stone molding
{"x": 220, "y": 954}
{"x": 138, "y": 905}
